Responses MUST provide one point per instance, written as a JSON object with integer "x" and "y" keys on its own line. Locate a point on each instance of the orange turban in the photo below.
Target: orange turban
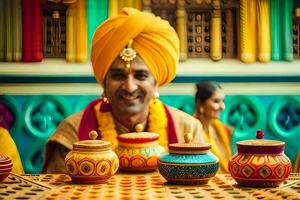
{"x": 154, "y": 40}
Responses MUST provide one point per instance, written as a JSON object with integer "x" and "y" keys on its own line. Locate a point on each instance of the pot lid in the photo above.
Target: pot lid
{"x": 260, "y": 145}
{"x": 92, "y": 145}
{"x": 138, "y": 136}
{"x": 188, "y": 147}
{"x": 141, "y": 137}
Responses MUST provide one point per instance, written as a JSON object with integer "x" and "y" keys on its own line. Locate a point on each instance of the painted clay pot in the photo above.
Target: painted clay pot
{"x": 6, "y": 166}
{"x": 91, "y": 161}
{"x": 260, "y": 163}
{"x": 138, "y": 152}
{"x": 188, "y": 163}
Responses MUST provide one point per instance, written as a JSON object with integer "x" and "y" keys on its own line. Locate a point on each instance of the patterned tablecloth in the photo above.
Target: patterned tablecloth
{"x": 139, "y": 186}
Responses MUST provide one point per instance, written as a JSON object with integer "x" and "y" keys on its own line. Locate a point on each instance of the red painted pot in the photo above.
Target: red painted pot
{"x": 260, "y": 163}
{"x": 6, "y": 166}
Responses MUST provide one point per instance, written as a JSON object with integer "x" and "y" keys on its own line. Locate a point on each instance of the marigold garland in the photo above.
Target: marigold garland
{"x": 157, "y": 123}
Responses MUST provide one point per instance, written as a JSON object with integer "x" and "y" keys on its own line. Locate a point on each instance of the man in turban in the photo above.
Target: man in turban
{"x": 132, "y": 55}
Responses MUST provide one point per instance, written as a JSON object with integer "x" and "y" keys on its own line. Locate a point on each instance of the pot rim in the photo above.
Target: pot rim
{"x": 189, "y": 148}
{"x": 260, "y": 147}
{"x": 91, "y": 145}
{"x": 138, "y": 137}
{"x": 186, "y": 164}
{"x": 260, "y": 142}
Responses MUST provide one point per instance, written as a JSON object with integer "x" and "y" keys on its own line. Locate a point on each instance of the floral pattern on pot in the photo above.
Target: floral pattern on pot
{"x": 91, "y": 167}
{"x": 138, "y": 152}
{"x": 188, "y": 174}
{"x": 260, "y": 170}
{"x": 91, "y": 161}
{"x": 144, "y": 159}
{"x": 188, "y": 163}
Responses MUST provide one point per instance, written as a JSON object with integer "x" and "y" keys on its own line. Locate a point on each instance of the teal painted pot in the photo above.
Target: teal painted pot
{"x": 188, "y": 163}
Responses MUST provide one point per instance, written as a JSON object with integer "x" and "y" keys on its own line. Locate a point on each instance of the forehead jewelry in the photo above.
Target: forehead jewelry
{"x": 128, "y": 54}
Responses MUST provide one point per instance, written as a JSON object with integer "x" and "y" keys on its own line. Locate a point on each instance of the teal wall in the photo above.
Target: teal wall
{"x": 36, "y": 117}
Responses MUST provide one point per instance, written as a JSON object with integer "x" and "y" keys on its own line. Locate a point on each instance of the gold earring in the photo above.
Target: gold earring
{"x": 156, "y": 97}
{"x": 105, "y": 99}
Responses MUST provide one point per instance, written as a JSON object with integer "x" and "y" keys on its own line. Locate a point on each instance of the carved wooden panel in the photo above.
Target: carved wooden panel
{"x": 166, "y": 9}
{"x": 198, "y": 14}
{"x": 296, "y": 36}
{"x": 54, "y": 30}
{"x": 198, "y": 27}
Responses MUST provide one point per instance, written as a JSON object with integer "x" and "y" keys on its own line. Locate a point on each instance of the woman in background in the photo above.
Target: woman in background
{"x": 209, "y": 104}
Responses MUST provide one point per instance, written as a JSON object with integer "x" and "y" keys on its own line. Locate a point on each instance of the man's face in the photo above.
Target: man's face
{"x": 129, "y": 90}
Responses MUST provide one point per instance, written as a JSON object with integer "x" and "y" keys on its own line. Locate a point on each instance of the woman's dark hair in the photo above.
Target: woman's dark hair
{"x": 205, "y": 90}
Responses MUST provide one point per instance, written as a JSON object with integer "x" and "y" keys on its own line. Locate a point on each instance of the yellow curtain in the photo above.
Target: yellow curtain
{"x": 116, "y": 5}
{"x": 76, "y": 32}
{"x": 9, "y": 148}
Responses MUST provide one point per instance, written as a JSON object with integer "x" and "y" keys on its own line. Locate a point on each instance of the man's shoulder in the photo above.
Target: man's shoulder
{"x": 185, "y": 122}
{"x": 181, "y": 115}
{"x": 74, "y": 117}
{"x": 67, "y": 130}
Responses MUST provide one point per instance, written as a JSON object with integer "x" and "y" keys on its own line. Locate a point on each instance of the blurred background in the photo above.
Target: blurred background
{"x": 252, "y": 48}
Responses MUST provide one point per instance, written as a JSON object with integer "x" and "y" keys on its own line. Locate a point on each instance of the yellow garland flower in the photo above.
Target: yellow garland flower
{"x": 157, "y": 123}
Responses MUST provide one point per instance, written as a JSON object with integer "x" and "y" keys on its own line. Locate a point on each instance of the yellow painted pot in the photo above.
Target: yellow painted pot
{"x": 91, "y": 161}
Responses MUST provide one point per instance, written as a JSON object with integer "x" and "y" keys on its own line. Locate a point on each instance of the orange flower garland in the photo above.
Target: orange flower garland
{"x": 157, "y": 123}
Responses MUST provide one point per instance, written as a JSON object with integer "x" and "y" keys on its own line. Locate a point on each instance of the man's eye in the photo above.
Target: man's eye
{"x": 141, "y": 76}
{"x": 117, "y": 76}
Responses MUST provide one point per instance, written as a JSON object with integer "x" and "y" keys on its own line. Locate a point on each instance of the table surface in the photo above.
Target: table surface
{"x": 139, "y": 186}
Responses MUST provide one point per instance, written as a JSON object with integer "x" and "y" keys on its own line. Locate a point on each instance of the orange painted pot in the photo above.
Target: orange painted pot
{"x": 91, "y": 161}
{"x": 6, "y": 166}
{"x": 260, "y": 163}
{"x": 138, "y": 151}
